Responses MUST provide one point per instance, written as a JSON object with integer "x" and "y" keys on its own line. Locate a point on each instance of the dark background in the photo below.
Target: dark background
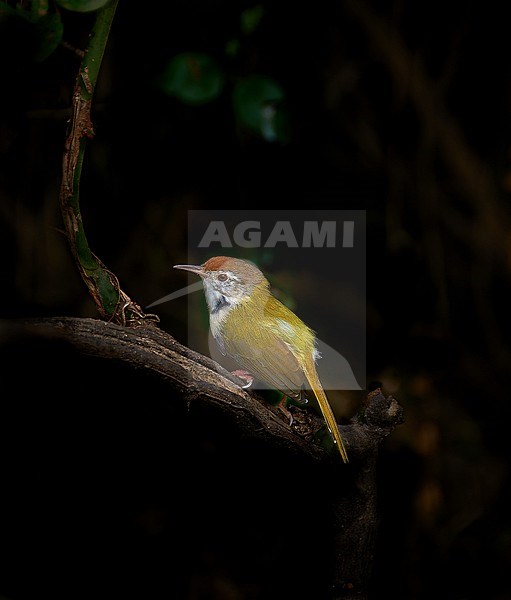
{"x": 108, "y": 486}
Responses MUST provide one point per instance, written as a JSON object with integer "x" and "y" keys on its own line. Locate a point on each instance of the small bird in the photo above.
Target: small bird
{"x": 261, "y": 334}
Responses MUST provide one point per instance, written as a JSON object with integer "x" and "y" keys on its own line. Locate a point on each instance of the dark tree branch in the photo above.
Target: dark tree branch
{"x": 350, "y": 490}
{"x": 200, "y": 379}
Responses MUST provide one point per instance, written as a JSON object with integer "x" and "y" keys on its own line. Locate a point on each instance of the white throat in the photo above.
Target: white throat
{"x": 219, "y": 306}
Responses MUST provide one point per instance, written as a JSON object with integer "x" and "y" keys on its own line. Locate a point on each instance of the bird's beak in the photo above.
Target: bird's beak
{"x": 192, "y": 268}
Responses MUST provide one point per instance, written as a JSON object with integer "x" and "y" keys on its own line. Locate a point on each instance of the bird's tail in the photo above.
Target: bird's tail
{"x": 324, "y": 405}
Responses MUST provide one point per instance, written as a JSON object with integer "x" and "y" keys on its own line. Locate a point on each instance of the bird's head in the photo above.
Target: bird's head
{"x": 227, "y": 280}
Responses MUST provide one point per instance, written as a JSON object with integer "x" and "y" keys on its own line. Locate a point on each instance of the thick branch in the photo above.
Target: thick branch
{"x": 200, "y": 379}
{"x": 348, "y": 491}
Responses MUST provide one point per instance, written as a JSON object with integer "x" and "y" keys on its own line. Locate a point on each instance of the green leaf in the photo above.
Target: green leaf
{"x": 38, "y": 9}
{"x": 232, "y": 47}
{"x": 82, "y": 5}
{"x": 8, "y": 11}
{"x": 49, "y": 30}
{"x": 193, "y": 78}
{"x": 250, "y": 18}
{"x": 259, "y": 105}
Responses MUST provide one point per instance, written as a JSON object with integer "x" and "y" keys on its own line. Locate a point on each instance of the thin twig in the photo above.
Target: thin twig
{"x": 111, "y": 301}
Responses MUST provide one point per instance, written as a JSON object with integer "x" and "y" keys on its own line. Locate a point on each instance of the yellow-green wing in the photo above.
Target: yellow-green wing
{"x": 269, "y": 359}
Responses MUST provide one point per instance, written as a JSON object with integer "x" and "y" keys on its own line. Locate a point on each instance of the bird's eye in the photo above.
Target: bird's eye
{"x": 222, "y": 277}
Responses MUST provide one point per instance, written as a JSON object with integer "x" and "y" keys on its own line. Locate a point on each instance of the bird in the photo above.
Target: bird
{"x": 261, "y": 334}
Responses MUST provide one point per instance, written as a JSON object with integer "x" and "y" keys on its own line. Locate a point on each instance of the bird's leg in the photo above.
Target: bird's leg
{"x": 285, "y": 401}
{"x": 282, "y": 406}
{"x": 244, "y": 376}
{"x": 302, "y": 401}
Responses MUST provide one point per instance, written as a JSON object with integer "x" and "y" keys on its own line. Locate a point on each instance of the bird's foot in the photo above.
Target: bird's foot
{"x": 282, "y": 406}
{"x": 302, "y": 401}
{"x": 244, "y": 376}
